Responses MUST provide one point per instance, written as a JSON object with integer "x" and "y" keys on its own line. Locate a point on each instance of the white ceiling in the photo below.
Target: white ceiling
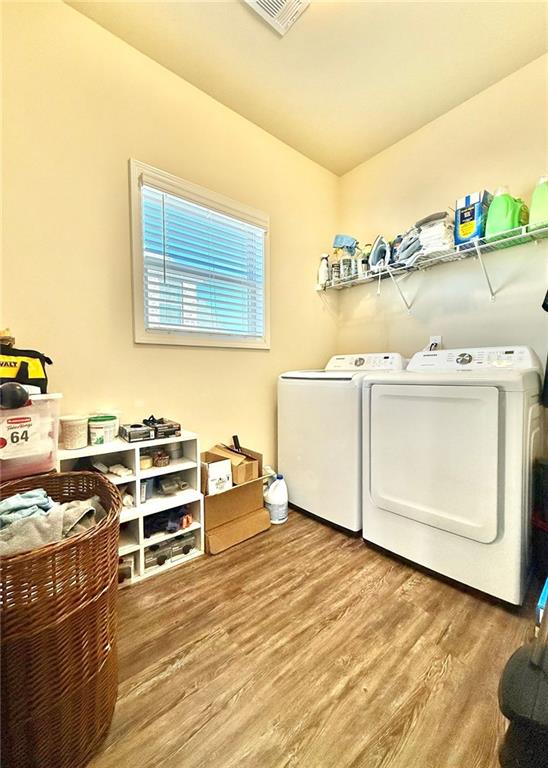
{"x": 350, "y": 78}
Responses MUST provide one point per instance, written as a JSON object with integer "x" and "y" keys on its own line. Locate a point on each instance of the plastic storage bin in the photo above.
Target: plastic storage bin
{"x": 182, "y": 545}
{"x": 28, "y": 437}
{"x": 157, "y": 554}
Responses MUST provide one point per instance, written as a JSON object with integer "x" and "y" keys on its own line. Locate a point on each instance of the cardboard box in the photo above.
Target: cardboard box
{"x": 235, "y": 531}
{"x": 246, "y": 466}
{"x": 236, "y": 502}
{"x": 216, "y": 474}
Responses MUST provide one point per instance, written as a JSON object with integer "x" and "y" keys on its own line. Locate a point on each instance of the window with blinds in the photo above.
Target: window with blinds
{"x": 201, "y": 267}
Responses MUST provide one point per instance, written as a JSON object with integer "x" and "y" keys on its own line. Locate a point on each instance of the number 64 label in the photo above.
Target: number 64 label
{"x": 18, "y": 435}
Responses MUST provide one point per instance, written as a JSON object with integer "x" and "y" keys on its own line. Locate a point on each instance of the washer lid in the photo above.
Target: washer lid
{"x": 322, "y": 375}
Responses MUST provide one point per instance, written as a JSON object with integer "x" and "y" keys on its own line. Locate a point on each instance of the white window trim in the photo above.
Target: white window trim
{"x": 140, "y": 173}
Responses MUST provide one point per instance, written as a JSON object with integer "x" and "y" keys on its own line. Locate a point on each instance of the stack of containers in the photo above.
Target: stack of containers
{"x": 80, "y": 430}
{"x": 28, "y": 437}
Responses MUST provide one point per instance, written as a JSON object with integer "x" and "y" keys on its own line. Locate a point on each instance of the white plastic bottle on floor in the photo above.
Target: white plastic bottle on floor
{"x": 276, "y": 499}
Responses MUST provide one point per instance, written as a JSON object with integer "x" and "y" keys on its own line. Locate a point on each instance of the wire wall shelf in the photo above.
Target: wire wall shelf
{"x": 476, "y": 248}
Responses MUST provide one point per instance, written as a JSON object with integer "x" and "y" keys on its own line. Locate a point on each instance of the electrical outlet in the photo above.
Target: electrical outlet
{"x": 435, "y": 342}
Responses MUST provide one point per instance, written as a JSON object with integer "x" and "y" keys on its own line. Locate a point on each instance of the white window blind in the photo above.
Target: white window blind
{"x": 203, "y": 270}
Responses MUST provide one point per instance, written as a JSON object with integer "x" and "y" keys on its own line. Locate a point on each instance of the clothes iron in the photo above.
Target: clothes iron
{"x": 380, "y": 254}
{"x": 408, "y": 249}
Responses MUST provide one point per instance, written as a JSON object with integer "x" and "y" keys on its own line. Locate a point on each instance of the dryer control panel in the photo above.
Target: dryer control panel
{"x": 476, "y": 358}
{"x": 381, "y": 361}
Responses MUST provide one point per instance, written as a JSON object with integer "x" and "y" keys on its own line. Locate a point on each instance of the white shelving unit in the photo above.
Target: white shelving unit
{"x": 132, "y": 535}
{"x": 475, "y": 248}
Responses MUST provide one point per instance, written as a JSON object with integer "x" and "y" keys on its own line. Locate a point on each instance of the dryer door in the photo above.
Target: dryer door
{"x": 435, "y": 456}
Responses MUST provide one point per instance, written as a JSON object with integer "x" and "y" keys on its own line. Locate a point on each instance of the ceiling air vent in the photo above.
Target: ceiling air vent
{"x": 280, "y": 14}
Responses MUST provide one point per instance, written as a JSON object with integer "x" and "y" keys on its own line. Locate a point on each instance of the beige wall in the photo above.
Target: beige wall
{"x": 78, "y": 103}
{"x": 498, "y": 137}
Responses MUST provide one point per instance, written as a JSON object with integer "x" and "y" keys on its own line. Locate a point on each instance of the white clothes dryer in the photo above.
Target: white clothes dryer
{"x": 447, "y": 463}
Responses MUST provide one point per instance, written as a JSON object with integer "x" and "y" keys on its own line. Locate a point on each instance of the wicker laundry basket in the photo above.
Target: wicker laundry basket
{"x": 58, "y": 671}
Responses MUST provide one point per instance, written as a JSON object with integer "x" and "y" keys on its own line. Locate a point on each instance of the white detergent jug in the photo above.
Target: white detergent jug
{"x": 276, "y": 499}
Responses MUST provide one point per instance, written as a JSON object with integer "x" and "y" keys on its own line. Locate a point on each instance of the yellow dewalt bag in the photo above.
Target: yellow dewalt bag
{"x": 25, "y": 366}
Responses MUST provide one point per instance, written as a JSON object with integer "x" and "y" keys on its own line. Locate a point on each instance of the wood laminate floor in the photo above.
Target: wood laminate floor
{"x": 305, "y": 648}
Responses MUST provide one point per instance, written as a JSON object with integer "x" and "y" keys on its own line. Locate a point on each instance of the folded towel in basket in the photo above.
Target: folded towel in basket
{"x": 78, "y": 516}
{"x": 21, "y": 505}
{"x": 32, "y": 532}
{"x": 46, "y": 527}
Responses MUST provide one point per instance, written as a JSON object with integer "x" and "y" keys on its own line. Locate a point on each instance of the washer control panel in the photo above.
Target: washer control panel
{"x": 515, "y": 358}
{"x": 382, "y": 361}
{"x": 464, "y": 358}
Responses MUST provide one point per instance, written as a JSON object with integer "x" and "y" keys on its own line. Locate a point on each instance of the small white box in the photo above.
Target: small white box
{"x": 216, "y": 474}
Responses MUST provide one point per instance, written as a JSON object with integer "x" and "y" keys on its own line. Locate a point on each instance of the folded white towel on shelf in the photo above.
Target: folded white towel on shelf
{"x": 437, "y": 236}
{"x": 434, "y": 234}
{"x": 434, "y": 231}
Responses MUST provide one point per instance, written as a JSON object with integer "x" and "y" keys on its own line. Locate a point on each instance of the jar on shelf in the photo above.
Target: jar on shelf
{"x": 160, "y": 458}
{"x": 145, "y": 461}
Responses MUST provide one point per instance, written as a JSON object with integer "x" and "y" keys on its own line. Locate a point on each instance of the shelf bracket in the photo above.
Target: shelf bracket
{"x": 379, "y": 284}
{"x": 402, "y": 297}
{"x": 492, "y": 293}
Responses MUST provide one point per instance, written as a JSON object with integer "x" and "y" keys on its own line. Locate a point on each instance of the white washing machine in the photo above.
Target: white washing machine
{"x": 447, "y": 460}
{"x": 320, "y": 435}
